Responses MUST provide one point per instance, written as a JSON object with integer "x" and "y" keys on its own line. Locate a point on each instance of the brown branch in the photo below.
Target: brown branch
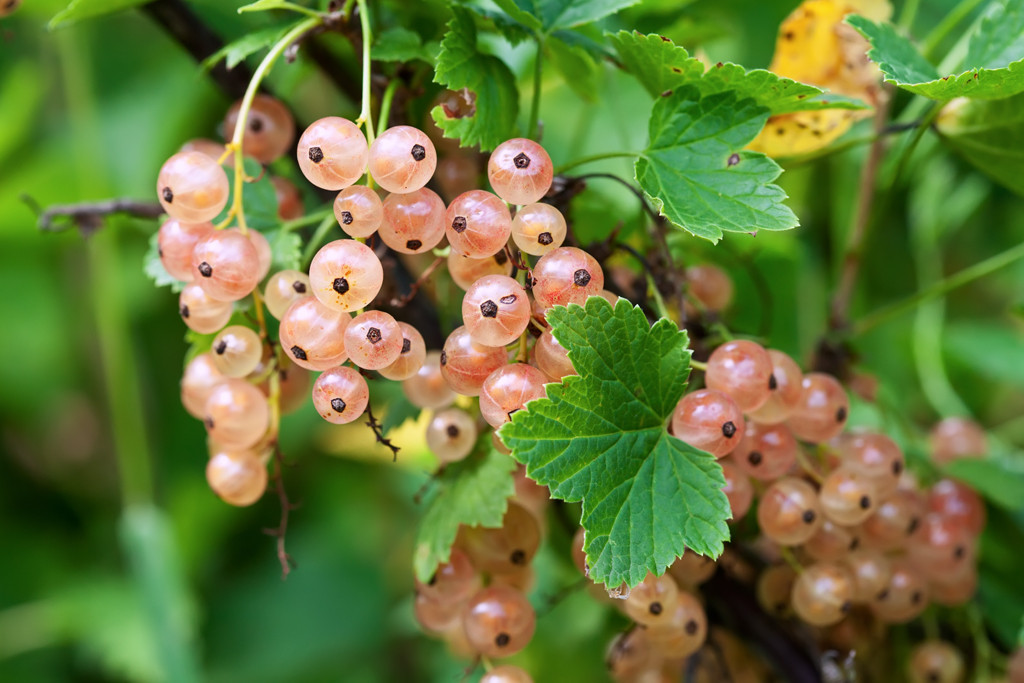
{"x": 373, "y": 424}
{"x": 279, "y": 532}
{"x": 840, "y": 308}
{"x": 401, "y": 301}
{"x": 88, "y": 216}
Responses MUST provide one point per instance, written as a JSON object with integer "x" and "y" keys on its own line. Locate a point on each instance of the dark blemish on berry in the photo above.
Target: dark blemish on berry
{"x": 809, "y": 516}
{"x": 489, "y": 309}
{"x": 912, "y": 527}
{"x": 959, "y": 552}
{"x": 865, "y": 502}
{"x": 501, "y": 258}
{"x": 184, "y": 311}
{"x": 841, "y": 414}
{"x": 167, "y": 195}
{"x": 205, "y": 269}
{"x": 346, "y": 218}
{"x": 433, "y": 579}
{"x": 459, "y": 224}
{"x": 581, "y": 277}
{"x": 340, "y": 285}
{"x": 845, "y": 607}
{"x": 545, "y": 238}
{"x": 882, "y": 595}
{"x": 221, "y": 347}
{"x": 298, "y": 352}
{"x": 754, "y": 458}
{"x": 916, "y": 598}
{"x": 373, "y": 335}
{"x": 502, "y": 639}
{"x": 655, "y": 608}
{"x": 734, "y": 159}
{"x": 518, "y": 557}
{"x": 897, "y": 467}
{"x": 406, "y": 345}
{"x": 418, "y": 152}
{"x": 934, "y": 677}
{"x": 338, "y": 405}
{"x": 413, "y": 244}
{"x": 508, "y": 300}
{"x": 691, "y": 627}
{"x": 299, "y": 286}
{"x": 444, "y": 358}
{"x": 854, "y": 544}
{"x": 521, "y": 160}
{"x": 729, "y": 429}
{"x": 780, "y": 607}
{"x": 316, "y": 155}
{"x": 256, "y": 125}
{"x": 160, "y": 252}
{"x": 453, "y": 431}
{"x": 208, "y": 422}
{"x": 773, "y": 383}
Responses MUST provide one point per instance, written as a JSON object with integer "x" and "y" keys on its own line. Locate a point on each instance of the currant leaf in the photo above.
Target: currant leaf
{"x": 77, "y": 10}
{"x": 258, "y": 197}
{"x": 474, "y": 492}
{"x": 661, "y": 66}
{"x": 237, "y": 50}
{"x": 399, "y": 44}
{"x": 154, "y": 269}
{"x": 993, "y": 68}
{"x": 461, "y": 65}
{"x": 990, "y": 135}
{"x": 697, "y": 173}
{"x": 601, "y": 438}
{"x": 551, "y": 15}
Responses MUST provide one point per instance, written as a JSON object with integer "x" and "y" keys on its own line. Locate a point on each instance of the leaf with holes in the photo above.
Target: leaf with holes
{"x": 993, "y": 67}
{"x": 601, "y": 437}
{"x": 696, "y": 172}
{"x": 461, "y": 65}
{"x": 471, "y": 492}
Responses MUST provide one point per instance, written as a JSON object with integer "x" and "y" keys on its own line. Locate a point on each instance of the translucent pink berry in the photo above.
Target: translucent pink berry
{"x": 566, "y": 276}
{"x": 373, "y": 340}
{"x": 822, "y": 411}
{"x": 743, "y": 370}
{"x": 313, "y": 335}
{"x": 269, "y": 131}
{"x": 175, "y": 242}
{"x": 507, "y": 390}
{"x": 708, "y": 420}
{"x": 465, "y": 270}
{"x": 477, "y": 224}
{"x": 283, "y": 288}
{"x": 538, "y": 229}
{"x": 192, "y": 187}
{"x": 495, "y": 310}
{"x": 345, "y": 275}
{"x": 236, "y": 414}
{"x": 359, "y": 211}
{"x": 411, "y": 358}
{"x": 332, "y": 153}
{"x": 414, "y": 222}
{"x": 402, "y": 159}
{"x": 340, "y": 395}
{"x": 226, "y": 265}
{"x": 520, "y": 171}
{"x": 200, "y": 312}
{"x": 465, "y": 364}
{"x": 785, "y": 385}
{"x": 428, "y": 388}
{"x": 552, "y": 358}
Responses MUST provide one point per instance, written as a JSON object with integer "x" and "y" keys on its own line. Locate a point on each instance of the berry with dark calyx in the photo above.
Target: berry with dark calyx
{"x": 238, "y": 477}
{"x": 789, "y": 512}
{"x": 410, "y": 358}
{"x": 708, "y": 420}
{"x": 936, "y": 661}
{"x": 226, "y": 265}
{"x": 283, "y": 288}
{"x": 538, "y": 229}
{"x": 332, "y": 153}
{"x": 237, "y": 351}
{"x": 428, "y": 388}
{"x": 847, "y": 497}
{"x": 451, "y": 434}
{"x": 340, "y": 395}
{"x": 270, "y": 128}
{"x": 785, "y": 387}
{"x": 822, "y": 410}
{"x": 766, "y": 452}
{"x": 413, "y": 222}
{"x": 566, "y": 276}
{"x": 653, "y": 601}
{"x": 313, "y": 334}
{"x": 505, "y": 549}
{"x": 359, "y": 211}
{"x": 402, "y": 159}
{"x": 495, "y": 310}
{"x": 176, "y": 241}
{"x": 520, "y": 171}
{"x": 498, "y": 621}
{"x": 373, "y": 340}
{"x": 202, "y": 313}
{"x": 507, "y": 390}
{"x": 192, "y": 187}
{"x": 477, "y": 224}
{"x": 743, "y": 370}
{"x": 345, "y": 275}
{"x": 823, "y": 593}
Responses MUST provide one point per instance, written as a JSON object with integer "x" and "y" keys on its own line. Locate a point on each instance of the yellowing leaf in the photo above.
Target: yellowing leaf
{"x": 815, "y": 46}
{"x": 801, "y": 133}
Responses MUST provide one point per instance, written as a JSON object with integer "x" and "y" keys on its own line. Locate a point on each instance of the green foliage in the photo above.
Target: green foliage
{"x": 236, "y": 51}
{"x": 550, "y": 15}
{"x": 461, "y": 65}
{"x": 998, "y": 479}
{"x": 661, "y": 66}
{"x": 697, "y": 173}
{"x": 78, "y": 10}
{"x": 286, "y": 248}
{"x": 993, "y": 68}
{"x": 601, "y": 437}
{"x": 399, "y": 44}
{"x": 990, "y": 135}
{"x": 154, "y": 267}
{"x": 471, "y": 492}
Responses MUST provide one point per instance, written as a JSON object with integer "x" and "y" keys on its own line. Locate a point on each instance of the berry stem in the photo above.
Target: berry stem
{"x": 659, "y": 303}
{"x": 697, "y": 365}
{"x": 308, "y": 219}
{"x": 790, "y": 558}
{"x": 590, "y": 158}
{"x": 538, "y": 72}
{"x": 325, "y": 226}
{"x": 385, "y": 104}
{"x": 365, "y": 116}
{"x": 243, "y": 112}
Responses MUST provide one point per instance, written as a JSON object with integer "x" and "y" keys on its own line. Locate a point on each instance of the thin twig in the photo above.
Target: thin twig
{"x": 840, "y": 308}
{"x": 88, "y": 216}
{"x": 400, "y": 301}
{"x": 373, "y": 424}
{"x": 564, "y": 592}
{"x": 287, "y": 563}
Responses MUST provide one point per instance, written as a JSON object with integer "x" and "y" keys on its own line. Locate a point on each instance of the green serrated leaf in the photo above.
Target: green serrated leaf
{"x": 999, "y": 480}
{"x": 601, "y": 438}
{"x": 551, "y": 15}
{"x": 236, "y": 51}
{"x": 153, "y": 267}
{"x": 461, "y": 65}
{"x": 258, "y": 198}
{"x": 266, "y": 5}
{"x": 78, "y": 10}
{"x": 993, "y": 68}
{"x": 399, "y": 44}
{"x": 990, "y": 135}
{"x": 660, "y": 65}
{"x": 472, "y": 492}
{"x": 697, "y": 173}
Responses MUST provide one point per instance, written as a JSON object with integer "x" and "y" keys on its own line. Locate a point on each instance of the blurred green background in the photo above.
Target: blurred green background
{"x": 122, "y": 565}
